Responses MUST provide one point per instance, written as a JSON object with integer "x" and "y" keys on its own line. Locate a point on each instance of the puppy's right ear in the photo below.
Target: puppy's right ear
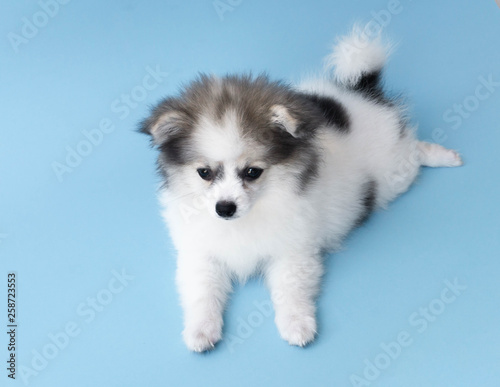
{"x": 164, "y": 121}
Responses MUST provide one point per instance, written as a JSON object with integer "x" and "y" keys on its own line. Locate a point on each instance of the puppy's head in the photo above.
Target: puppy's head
{"x": 232, "y": 140}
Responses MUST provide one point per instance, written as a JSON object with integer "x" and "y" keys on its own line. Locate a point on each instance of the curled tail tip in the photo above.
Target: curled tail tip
{"x": 355, "y": 55}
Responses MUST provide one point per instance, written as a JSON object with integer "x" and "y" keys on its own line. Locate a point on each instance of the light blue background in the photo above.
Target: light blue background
{"x": 64, "y": 239}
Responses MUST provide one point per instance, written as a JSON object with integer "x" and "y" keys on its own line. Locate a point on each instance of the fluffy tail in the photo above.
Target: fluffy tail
{"x": 357, "y": 61}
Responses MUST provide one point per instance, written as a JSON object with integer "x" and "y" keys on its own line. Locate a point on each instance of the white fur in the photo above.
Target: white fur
{"x": 277, "y": 231}
{"x": 356, "y": 54}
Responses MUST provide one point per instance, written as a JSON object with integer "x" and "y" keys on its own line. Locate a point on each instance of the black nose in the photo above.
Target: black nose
{"x": 225, "y": 209}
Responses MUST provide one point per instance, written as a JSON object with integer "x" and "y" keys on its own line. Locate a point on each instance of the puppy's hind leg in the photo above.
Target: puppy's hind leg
{"x": 435, "y": 155}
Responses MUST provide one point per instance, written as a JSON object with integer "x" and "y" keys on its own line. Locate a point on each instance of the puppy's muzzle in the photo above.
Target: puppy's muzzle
{"x": 225, "y": 209}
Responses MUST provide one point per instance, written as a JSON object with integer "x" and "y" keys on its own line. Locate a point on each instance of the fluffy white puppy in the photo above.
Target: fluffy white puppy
{"x": 261, "y": 178}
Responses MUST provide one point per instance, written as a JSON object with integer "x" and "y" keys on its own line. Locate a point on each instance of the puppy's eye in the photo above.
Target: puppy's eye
{"x": 253, "y": 173}
{"x": 205, "y": 173}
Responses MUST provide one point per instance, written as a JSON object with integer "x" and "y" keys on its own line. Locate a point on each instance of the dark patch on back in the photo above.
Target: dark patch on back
{"x": 333, "y": 111}
{"x": 368, "y": 201}
{"x": 371, "y": 86}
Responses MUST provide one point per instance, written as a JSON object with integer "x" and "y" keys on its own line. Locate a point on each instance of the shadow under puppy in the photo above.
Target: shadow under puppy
{"x": 261, "y": 177}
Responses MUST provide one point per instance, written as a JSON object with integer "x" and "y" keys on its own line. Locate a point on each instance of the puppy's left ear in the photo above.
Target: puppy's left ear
{"x": 282, "y": 118}
{"x": 164, "y": 121}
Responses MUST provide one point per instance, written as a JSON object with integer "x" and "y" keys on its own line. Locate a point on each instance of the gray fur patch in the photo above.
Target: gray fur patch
{"x": 173, "y": 121}
{"x": 369, "y": 200}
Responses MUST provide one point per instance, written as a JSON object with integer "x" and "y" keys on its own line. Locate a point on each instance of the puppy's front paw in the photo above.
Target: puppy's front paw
{"x": 297, "y": 329}
{"x": 202, "y": 336}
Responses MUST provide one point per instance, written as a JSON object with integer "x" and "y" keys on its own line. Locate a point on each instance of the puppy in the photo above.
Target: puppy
{"x": 261, "y": 178}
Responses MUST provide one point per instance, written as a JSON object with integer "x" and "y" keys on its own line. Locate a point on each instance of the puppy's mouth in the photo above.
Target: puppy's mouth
{"x": 228, "y": 218}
